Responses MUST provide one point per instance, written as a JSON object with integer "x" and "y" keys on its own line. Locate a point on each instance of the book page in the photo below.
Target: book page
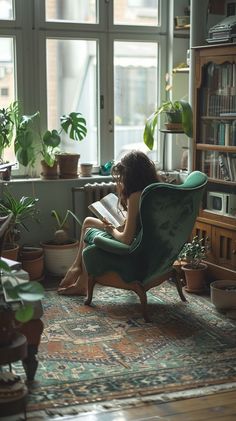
{"x": 111, "y": 204}
{"x": 107, "y": 208}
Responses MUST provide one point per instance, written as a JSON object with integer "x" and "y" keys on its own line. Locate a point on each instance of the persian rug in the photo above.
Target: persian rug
{"x": 107, "y": 351}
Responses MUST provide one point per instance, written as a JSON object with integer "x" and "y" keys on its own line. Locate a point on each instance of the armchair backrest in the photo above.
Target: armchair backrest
{"x": 167, "y": 216}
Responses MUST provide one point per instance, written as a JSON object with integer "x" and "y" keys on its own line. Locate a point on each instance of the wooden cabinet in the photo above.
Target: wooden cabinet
{"x": 215, "y": 150}
{"x": 220, "y": 242}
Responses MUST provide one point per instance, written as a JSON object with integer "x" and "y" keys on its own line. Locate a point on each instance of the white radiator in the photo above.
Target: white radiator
{"x": 89, "y": 193}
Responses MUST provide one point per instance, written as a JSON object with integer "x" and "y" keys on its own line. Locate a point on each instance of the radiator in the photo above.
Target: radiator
{"x": 90, "y": 192}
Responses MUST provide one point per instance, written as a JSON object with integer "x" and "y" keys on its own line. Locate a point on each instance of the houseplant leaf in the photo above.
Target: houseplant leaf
{"x": 74, "y": 124}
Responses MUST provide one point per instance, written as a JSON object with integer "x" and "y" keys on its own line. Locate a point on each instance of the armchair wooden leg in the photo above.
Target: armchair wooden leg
{"x": 177, "y": 281}
{"x": 91, "y": 283}
{"x": 140, "y": 291}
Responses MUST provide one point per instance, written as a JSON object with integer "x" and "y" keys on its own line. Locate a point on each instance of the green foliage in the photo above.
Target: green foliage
{"x": 50, "y": 146}
{"x": 61, "y": 233}
{"x": 25, "y": 293}
{"x": 61, "y": 221}
{"x": 6, "y": 128}
{"x": 169, "y": 106}
{"x": 22, "y": 210}
{"x": 193, "y": 252}
{"x": 75, "y": 125}
{"x": 24, "y": 140}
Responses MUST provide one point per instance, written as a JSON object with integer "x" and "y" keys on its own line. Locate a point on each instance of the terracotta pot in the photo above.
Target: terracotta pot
{"x": 68, "y": 165}
{"x": 30, "y": 253}
{"x": 195, "y": 278}
{"x": 11, "y": 252}
{"x": 49, "y": 173}
{"x": 35, "y": 268}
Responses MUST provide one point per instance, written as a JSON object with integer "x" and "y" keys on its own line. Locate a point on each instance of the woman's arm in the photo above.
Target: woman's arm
{"x": 128, "y": 233}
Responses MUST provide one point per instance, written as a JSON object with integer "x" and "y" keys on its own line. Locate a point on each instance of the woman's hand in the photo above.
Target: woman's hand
{"x": 108, "y": 227}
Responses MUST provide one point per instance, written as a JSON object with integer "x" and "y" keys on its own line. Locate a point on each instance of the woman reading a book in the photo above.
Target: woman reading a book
{"x": 132, "y": 174}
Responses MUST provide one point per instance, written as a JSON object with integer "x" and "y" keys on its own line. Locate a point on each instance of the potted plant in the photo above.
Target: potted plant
{"x": 50, "y": 146}
{"x": 73, "y": 124}
{"x": 194, "y": 268}
{"x": 22, "y": 210}
{"x": 24, "y": 135}
{"x": 6, "y": 129}
{"x": 60, "y": 252}
{"x": 6, "y": 136}
{"x": 179, "y": 117}
{"x": 20, "y": 308}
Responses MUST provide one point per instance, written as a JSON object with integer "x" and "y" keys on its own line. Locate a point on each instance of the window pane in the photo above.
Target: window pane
{"x": 7, "y": 80}
{"x": 6, "y": 9}
{"x": 135, "y": 80}
{"x": 136, "y": 12}
{"x": 83, "y": 11}
{"x": 72, "y": 86}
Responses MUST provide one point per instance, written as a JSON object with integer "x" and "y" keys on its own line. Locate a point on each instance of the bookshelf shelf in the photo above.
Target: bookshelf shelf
{"x": 215, "y": 152}
{"x": 220, "y": 118}
{"x": 208, "y": 146}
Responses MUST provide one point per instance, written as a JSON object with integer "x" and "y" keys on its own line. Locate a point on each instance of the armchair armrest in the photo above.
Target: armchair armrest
{"x": 112, "y": 246}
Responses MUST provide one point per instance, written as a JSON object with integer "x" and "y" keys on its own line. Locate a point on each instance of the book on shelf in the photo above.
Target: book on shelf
{"x": 224, "y": 167}
{"x": 108, "y": 208}
{"x": 228, "y": 114}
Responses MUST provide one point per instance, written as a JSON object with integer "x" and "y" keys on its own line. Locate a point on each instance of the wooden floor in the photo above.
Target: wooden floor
{"x": 221, "y": 406}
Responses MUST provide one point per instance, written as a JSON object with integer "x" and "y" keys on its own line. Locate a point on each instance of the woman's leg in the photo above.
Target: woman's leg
{"x": 75, "y": 270}
{"x": 79, "y": 287}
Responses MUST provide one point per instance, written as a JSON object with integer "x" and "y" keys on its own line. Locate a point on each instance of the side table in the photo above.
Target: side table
{"x": 16, "y": 351}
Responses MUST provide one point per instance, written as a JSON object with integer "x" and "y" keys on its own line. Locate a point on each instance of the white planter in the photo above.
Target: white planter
{"x": 58, "y": 258}
{"x": 223, "y": 295}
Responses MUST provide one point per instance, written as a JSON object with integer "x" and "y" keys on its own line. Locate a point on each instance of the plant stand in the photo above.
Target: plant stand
{"x": 16, "y": 351}
{"x": 165, "y": 132}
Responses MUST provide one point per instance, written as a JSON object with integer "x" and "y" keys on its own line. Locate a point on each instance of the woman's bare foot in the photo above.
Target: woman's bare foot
{"x": 70, "y": 277}
{"x": 78, "y": 288}
{"x": 72, "y": 290}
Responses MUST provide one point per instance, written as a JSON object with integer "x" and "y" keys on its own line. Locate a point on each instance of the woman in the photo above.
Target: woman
{"x": 132, "y": 174}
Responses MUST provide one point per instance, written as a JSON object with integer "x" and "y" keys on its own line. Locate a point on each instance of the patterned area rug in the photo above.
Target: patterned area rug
{"x": 105, "y": 352}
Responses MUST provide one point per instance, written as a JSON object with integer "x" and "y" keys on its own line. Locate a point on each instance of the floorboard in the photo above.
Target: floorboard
{"x": 217, "y": 407}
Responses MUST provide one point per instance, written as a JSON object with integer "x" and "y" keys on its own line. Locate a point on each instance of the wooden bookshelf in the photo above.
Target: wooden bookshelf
{"x": 215, "y": 151}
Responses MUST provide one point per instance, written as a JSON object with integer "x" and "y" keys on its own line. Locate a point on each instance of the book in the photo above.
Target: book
{"x": 108, "y": 208}
{"x": 12, "y": 264}
{"x": 224, "y": 167}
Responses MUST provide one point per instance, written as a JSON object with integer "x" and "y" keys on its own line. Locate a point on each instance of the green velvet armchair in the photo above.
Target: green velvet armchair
{"x": 167, "y": 216}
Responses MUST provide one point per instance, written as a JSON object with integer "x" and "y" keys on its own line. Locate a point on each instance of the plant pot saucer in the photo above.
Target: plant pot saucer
{"x": 194, "y": 291}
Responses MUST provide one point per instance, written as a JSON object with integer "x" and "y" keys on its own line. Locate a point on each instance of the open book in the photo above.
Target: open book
{"x": 108, "y": 208}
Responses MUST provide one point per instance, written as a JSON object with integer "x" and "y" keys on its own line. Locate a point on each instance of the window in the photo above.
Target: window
{"x": 83, "y": 11}
{"x": 137, "y": 12}
{"x": 100, "y": 58}
{"x": 6, "y": 9}
{"x": 4, "y": 92}
{"x": 70, "y": 83}
{"x": 135, "y": 92}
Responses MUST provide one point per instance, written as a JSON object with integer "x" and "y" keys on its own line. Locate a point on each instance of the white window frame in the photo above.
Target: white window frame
{"x": 30, "y": 50}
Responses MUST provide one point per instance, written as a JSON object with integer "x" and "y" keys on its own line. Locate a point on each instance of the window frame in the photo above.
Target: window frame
{"x": 30, "y": 31}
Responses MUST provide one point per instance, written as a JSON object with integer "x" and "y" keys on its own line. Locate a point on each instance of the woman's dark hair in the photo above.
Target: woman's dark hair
{"x": 135, "y": 171}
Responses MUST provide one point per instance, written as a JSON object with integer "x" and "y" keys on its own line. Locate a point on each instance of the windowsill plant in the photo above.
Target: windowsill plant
{"x": 54, "y": 151}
